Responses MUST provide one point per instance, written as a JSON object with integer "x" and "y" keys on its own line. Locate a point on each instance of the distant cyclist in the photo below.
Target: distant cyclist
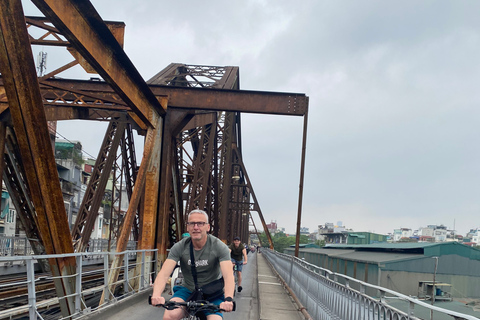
{"x": 238, "y": 254}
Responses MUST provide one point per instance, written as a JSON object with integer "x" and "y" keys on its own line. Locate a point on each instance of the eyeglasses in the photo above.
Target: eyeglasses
{"x": 199, "y": 224}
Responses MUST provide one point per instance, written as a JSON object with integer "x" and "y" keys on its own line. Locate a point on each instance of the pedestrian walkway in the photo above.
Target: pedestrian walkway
{"x": 263, "y": 297}
{"x": 274, "y": 301}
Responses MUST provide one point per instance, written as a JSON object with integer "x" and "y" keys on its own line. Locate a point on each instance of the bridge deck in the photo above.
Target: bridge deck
{"x": 263, "y": 297}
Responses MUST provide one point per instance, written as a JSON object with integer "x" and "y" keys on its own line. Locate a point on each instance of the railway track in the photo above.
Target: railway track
{"x": 14, "y": 293}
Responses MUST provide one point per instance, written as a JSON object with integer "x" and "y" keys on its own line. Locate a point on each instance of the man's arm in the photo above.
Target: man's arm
{"x": 226, "y": 268}
{"x": 245, "y": 259}
{"x": 161, "y": 280}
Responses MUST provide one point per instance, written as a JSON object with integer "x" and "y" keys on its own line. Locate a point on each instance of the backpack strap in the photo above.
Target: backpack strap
{"x": 192, "y": 265}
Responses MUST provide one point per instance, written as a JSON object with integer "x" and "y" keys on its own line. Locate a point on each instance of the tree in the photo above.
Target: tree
{"x": 320, "y": 243}
{"x": 281, "y": 241}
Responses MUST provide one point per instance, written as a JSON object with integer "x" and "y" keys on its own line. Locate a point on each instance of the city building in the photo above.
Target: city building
{"x": 331, "y": 233}
{"x": 474, "y": 236}
{"x": 68, "y": 156}
{"x": 365, "y": 238}
{"x": 402, "y": 233}
{"x": 272, "y": 227}
{"x": 8, "y": 215}
{"x": 304, "y": 230}
{"x": 439, "y": 233}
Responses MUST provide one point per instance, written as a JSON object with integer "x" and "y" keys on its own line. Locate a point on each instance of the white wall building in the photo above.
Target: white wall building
{"x": 402, "y": 233}
{"x": 438, "y": 232}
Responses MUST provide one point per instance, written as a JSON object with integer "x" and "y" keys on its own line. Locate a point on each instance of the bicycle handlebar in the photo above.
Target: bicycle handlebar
{"x": 196, "y": 305}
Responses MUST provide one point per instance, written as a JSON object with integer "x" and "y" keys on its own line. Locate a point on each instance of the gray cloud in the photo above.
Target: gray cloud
{"x": 393, "y": 119}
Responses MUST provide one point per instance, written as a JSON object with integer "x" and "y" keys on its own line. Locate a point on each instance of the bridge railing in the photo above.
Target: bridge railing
{"x": 20, "y": 246}
{"x": 35, "y": 295}
{"x": 329, "y": 295}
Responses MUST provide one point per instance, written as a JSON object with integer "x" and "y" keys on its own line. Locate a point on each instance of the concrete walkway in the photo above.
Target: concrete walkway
{"x": 273, "y": 300}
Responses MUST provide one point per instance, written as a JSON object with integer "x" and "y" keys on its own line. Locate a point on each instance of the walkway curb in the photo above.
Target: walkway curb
{"x": 275, "y": 303}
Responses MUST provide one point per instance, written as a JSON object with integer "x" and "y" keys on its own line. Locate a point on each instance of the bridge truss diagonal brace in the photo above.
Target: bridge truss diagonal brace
{"x": 82, "y": 26}
{"x": 88, "y": 212}
{"x": 154, "y": 136}
{"x": 30, "y": 124}
{"x": 175, "y": 120}
{"x": 264, "y": 224}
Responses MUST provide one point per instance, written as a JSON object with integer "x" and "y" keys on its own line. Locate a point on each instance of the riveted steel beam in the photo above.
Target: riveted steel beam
{"x": 175, "y": 120}
{"x": 83, "y": 27}
{"x": 13, "y": 176}
{"x": 262, "y": 102}
{"x": 234, "y": 100}
{"x": 30, "y": 124}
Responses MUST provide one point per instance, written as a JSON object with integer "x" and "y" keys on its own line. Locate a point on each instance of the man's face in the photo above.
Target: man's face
{"x": 195, "y": 228}
{"x": 236, "y": 243}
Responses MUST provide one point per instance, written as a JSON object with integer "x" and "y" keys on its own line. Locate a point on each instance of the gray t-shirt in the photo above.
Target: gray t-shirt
{"x": 207, "y": 260}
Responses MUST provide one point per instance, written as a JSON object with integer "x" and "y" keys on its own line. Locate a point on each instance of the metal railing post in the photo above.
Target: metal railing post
{"x": 78, "y": 286}
{"x": 142, "y": 272}
{"x": 125, "y": 272}
{"x": 32, "y": 301}
{"x": 291, "y": 271}
{"x": 106, "y": 294}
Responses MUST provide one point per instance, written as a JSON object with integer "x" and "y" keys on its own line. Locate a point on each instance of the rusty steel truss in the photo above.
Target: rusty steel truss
{"x": 189, "y": 115}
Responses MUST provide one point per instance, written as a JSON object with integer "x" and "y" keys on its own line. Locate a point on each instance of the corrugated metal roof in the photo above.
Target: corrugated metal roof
{"x": 385, "y": 245}
{"x": 425, "y": 248}
{"x": 364, "y": 256}
{"x": 376, "y": 257}
{"x": 327, "y": 252}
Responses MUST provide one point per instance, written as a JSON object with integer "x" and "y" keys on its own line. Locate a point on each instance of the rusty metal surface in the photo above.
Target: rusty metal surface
{"x": 196, "y": 76}
{"x": 204, "y": 105}
{"x": 225, "y": 176}
{"x": 256, "y": 205}
{"x": 154, "y": 135}
{"x": 203, "y": 167}
{"x": 235, "y": 100}
{"x": 300, "y": 189}
{"x": 13, "y": 176}
{"x": 262, "y": 102}
{"x": 88, "y": 211}
{"x": 80, "y": 24}
{"x": 170, "y": 198}
{"x": 25, "y": 104}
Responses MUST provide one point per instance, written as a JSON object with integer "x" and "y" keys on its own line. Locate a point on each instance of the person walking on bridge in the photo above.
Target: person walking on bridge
{"x": 239, "y": 258}
{"x": 211, "y": 261}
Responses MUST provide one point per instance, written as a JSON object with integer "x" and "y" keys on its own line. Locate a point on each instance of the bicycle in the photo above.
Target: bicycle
{"x": 194, "y": 310}
{"x": 235, "y": 276}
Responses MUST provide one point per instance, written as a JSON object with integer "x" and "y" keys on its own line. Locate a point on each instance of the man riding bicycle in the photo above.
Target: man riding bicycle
{"x": 212, "y": 261}
{"x": 239, "y": 258}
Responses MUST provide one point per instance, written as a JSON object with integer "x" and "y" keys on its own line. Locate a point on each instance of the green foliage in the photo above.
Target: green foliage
{"x": 281, "y": 241}
{"x": 69, "y": 151}
{"x": 320, "y": 243}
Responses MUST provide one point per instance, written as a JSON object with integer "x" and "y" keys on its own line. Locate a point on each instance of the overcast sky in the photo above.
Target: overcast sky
{"x": 394, "y": 117}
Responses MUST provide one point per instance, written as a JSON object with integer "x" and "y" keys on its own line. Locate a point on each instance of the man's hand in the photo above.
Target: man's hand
{"x": 156, "y": 300}
{"x": 244, "y": 262}
{"x": 227, "y": 306}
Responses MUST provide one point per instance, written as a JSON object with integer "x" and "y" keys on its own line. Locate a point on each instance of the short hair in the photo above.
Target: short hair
{"x": 198, "y": 211}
